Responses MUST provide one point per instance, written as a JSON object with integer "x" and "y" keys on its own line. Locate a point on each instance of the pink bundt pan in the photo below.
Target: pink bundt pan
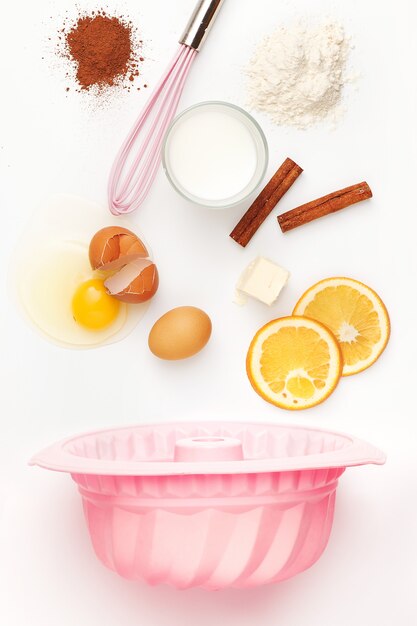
{"x": 208, "y": 505}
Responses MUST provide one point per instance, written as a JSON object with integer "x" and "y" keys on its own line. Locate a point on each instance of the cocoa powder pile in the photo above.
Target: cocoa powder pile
{"x": 104, "y": 50}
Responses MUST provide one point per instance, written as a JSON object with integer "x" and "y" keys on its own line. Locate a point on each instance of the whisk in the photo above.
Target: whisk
{"x": 138, "y": 159}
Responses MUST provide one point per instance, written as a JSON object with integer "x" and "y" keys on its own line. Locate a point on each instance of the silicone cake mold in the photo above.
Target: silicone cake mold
{"x": 208, "y": 505}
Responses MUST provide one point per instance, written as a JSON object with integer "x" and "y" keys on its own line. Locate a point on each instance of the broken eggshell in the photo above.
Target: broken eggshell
{"x": 117, "y": 248}
{"x": 135, "y": 282}
{"x": 114, "y": 246}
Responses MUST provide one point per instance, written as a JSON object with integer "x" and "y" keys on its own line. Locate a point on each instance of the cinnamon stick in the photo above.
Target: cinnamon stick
{"x": 324, "y": 206}
{"x": 262, "y": 206}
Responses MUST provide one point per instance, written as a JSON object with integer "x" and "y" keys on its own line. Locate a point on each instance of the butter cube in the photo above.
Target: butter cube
{"x": 263, "y": 280}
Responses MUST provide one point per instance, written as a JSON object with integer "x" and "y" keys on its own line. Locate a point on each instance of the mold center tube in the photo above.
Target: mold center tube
{"x": 196, "y": 449}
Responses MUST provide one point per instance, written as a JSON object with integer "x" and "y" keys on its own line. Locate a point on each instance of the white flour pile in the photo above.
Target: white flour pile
{"x": 297, "y": 74}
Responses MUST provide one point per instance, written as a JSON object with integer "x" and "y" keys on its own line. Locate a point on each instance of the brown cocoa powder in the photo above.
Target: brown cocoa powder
{"x": 104, "y": 49}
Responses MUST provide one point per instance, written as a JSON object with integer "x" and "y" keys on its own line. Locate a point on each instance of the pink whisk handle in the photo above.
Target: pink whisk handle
{"x": 137, "y": 162}
{"x": 133, "y": 171}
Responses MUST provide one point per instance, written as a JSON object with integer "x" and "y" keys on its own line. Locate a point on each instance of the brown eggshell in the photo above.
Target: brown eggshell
{"x": 114, "y": 246}
{"x": 180, "y": 333}
{"x": 142, "y": 288}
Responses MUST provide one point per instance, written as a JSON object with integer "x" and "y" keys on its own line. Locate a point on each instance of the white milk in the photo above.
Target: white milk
{"x": 212, "y": 154}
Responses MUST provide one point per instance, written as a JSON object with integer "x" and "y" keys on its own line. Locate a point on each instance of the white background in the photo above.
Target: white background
{"x": 54, "y": 142}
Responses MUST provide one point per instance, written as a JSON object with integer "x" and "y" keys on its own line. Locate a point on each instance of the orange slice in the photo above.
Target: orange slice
{"x": 354, "y": 313}
{"x": 294, "y": 362}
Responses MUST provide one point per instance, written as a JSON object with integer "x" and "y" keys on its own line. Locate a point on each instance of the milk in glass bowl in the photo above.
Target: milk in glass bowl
{"x": 215, "y": 154}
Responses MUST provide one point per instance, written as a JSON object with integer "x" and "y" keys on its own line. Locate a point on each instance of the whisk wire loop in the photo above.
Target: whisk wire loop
{"x": 133, "y": 172}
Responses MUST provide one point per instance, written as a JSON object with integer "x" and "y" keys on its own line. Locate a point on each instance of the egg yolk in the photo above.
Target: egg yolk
{"x": 93, "y": 307}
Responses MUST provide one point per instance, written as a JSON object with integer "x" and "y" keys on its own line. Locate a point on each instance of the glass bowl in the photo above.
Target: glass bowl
{"x": 194, "y": 161}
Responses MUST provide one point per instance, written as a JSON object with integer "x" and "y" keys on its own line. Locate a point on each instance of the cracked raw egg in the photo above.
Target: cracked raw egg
{"x": 64, "y": 297}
